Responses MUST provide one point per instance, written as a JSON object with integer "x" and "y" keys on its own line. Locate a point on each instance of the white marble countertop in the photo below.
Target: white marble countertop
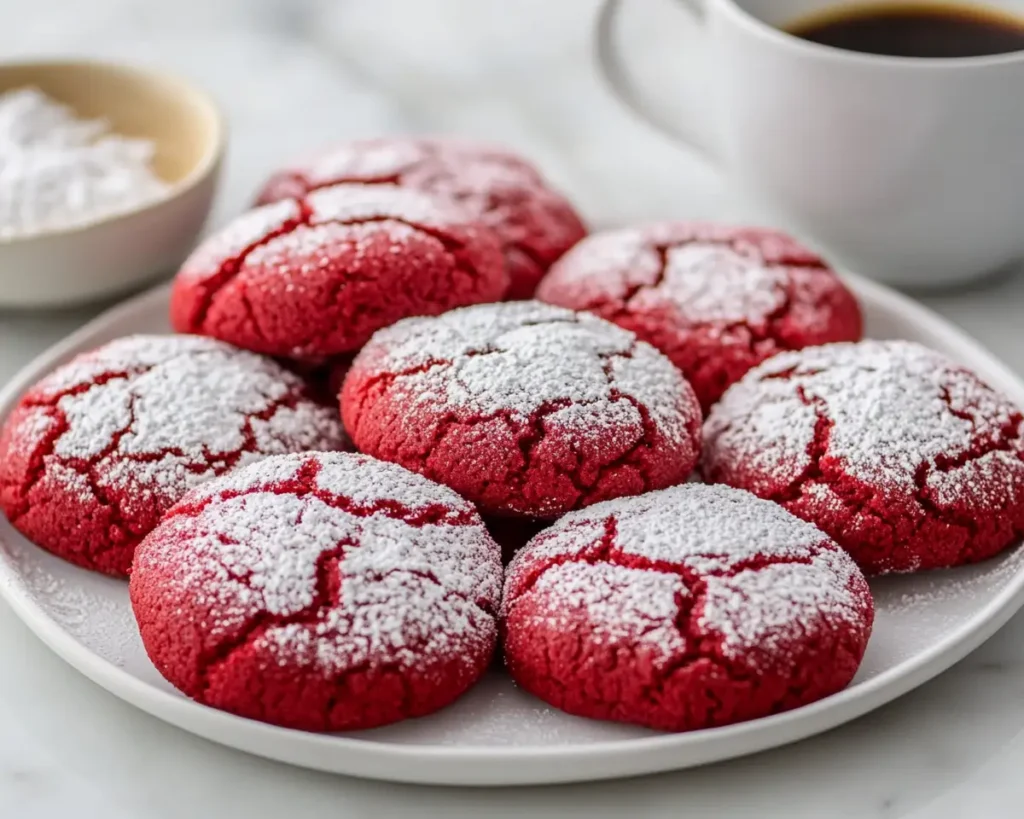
{"x": 295, "y": 74}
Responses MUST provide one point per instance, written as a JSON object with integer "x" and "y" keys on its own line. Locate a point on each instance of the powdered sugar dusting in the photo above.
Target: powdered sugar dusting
{"x": 31, "y": 427}
{"x": 643, "y": 376}
{"x": 363, "y": 161}
{"x": 716, "y": 299}
{"x": 711, "y": 283}
{"x": 324, "y": 216}
{"x": 277, "y": 434}
{"x": 757, "y": 578}
{"x": 362, "y": 480}
{"x": 894, "y": 407}
{"x": 58, "y": 171}
{"x": 349, "y": 260}
{"x": 785, "y": 430}
{"x": 622, "y": 259}
{"x": 503, "y": 191}
{"x": 318, "y": 245}
{"x": 175, "y": 411}
{"x": 622, "y": 604}
{"x": 365, "y": 481}
{"x": 520, "y": 357}
{"x": 124, "y": 355}
{"x": 353, "y": 203}
{"x": 982, "y": 482}
{"x": 246, "y": 231}
{"x": 707, "y": 528}
{"x": 461, "y": 170}
{"x": 768, "y": 610}
{"x": 409, "y": 593}
{"x": 707, "y": 273}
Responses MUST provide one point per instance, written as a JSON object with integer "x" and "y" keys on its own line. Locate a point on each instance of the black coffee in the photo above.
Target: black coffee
{"x": 915, "y": 30}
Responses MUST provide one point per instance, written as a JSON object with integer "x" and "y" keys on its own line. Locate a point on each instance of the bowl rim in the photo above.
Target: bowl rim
{"x": 207, "y": 164}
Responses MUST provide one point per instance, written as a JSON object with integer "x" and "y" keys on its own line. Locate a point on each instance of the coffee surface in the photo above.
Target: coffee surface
{"x": 915, "y": 30}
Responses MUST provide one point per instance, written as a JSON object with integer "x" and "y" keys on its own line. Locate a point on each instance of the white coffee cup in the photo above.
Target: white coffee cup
{"x": 908, "y": 170}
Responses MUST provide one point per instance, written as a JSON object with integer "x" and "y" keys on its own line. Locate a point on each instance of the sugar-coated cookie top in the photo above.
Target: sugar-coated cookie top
{"x": 521, "y": 357}
{"x": 417, "y": 576}
{"x": 715, "y": 274}
{"x": 269, "y": 233}
{"x": 156, "y": 415}
{"x": 892, "y": 409}
{"x": 747, "y": 574}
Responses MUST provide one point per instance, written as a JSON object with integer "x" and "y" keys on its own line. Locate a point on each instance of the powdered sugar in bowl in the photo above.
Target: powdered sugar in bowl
{"x": 111, "y": 191}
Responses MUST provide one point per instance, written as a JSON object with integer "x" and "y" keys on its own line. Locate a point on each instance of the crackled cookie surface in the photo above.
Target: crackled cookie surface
{"x": 906, "y": 459}
{"x": 325, "y": 592}
{"x": 717, "y": 300}
{"x": 526, "y": 409}
{"x": 97, "y": 451}
{"x": 314, "y": 277}
{"x": 691, "y": 607}
{"x": 535, "y": 224}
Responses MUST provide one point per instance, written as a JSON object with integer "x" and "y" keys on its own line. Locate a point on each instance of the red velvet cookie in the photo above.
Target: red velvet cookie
{"x": 716, "y": 300}
{"x": 528, "y": 410}
{"x": 692, "y": 607}
{"x": 320, "y": 592}
{"x": 315, "y": 277}
{"x": 906, "y": 459}
{"x": 97, "y": 451}
{"x": 535, "y": 224}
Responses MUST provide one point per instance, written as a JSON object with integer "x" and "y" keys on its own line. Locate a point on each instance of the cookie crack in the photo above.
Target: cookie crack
{"x": 230, "y": 267}
{"x": 529, "y": 432}
{"x": 52, "y": 399}
{"x": 1006, "y": 438}
{"x": 738, "y": 246}
{"x": 608, "y": 552}
{"x": 759, "y": 339}
{"x": 750, "y": 340}
{"x": 102, "y": 498}
{"x": 83, "y": 466}
{"x": 817, "y": 448}
{"x": 387, "y": 377}
{"x": 325, "y": 597}
{"x": 453, "y": 248}
{"x": 661, "y": 250}
{"x": 328, "y": 585}
{"x": 650, "y": 436}
{"x": 37, "y": 464}
{"x": 373, "y": 179}
{"x": 87, "y": 466}
{"x": 528, "y": 429}
{"x": 699, "y": 646}
{"x": 304, "y": 485}
{"x": 861, "y": 499}
{"x": 426, "y": 574}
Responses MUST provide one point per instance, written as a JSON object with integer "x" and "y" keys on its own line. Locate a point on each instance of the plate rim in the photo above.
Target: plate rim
{"x": 486, "y": 765}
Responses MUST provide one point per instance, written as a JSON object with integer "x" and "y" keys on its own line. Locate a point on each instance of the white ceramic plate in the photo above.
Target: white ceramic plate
{"x": 496, "y": 734}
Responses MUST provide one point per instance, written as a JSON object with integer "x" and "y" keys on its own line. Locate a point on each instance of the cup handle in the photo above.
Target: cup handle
{"x": 613, "y": 69}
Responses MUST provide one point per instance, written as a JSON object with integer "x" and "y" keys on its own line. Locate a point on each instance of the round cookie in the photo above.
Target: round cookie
{"x": 692, "y": 607}
{"x": 315, "y": 277}
{"x": 716, "y": 300}
{"x": 906, "y": 459}
{"x": 97, "y": 451}
{"x": 536, "y": 225}
{"x": 526, "y": 409}
{"x": 319, "y": 592}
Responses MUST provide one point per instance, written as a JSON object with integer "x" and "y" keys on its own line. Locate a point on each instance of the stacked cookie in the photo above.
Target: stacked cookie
{"x": 377, "y": 299}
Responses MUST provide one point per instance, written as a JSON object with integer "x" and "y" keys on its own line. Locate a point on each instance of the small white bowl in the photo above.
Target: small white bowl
{"x": 119, "y": 252}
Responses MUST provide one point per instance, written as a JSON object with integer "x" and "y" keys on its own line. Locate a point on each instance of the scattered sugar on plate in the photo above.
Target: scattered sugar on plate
{"x": 58, "y": 171}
